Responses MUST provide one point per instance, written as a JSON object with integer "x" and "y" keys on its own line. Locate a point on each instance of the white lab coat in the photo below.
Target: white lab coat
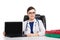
{"x": 36, "y": 28}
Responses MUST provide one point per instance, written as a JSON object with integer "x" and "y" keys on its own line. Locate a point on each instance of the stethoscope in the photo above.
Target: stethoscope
{"x": 35, "y": 25}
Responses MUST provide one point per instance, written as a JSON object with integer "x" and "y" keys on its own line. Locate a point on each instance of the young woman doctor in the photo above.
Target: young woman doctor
{"x": 31, "y": 27}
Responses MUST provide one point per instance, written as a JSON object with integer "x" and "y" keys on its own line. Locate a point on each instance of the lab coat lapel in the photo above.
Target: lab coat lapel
{"x": 34, "y": 26}
{"x": 28, "y": 27}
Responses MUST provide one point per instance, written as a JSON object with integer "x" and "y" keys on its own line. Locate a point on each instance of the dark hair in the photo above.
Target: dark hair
{"x": 30, "y": 8}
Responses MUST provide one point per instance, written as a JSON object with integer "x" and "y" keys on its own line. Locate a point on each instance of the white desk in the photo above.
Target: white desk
{"x": 31, "y": 38}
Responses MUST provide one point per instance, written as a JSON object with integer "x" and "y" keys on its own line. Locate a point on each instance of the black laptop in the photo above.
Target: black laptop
{"x": 13, "y": 29}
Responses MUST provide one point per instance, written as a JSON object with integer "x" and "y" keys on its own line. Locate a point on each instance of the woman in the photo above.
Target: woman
{"x": 31, "y": 27}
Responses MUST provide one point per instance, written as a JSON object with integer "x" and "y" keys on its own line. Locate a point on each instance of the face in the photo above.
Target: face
{"x": 31, "y": 14}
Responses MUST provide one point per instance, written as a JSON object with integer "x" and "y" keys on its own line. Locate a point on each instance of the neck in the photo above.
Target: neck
{"x": 31, "y": 20}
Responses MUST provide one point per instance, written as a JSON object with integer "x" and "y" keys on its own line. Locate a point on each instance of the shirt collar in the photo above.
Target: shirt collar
{"x": 33, "y": 21}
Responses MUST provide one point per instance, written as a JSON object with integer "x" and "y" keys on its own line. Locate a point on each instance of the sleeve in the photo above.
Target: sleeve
{"x": 24, "y": 28}
{"x": 42, "y": 29}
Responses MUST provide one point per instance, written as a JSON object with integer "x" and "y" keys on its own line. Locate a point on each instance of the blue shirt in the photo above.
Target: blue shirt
{"x": 31, "y": 26}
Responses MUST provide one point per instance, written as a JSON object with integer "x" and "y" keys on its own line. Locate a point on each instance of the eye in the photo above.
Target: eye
{"x": 29, "y": 12}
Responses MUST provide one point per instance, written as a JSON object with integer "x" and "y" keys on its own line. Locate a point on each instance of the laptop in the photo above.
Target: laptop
{"x": 13, "y": 29}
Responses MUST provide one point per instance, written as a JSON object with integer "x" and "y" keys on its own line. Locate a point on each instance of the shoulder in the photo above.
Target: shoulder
{"x": 39, "y": 20}
{"x": 25, "y": 21}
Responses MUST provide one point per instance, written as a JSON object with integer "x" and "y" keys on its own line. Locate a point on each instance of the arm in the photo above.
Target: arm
{"x": 26, "y": 32}
{"x": 42, "y": 29}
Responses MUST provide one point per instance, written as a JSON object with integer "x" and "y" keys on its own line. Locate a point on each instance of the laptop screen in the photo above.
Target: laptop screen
{"x": 13, "y": 28}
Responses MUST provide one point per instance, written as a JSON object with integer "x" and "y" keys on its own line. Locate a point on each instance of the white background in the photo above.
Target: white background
{"x": 14, "y": 10}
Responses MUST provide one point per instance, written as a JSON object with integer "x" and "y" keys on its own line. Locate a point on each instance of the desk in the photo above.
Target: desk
{"x": 31, "y": 38}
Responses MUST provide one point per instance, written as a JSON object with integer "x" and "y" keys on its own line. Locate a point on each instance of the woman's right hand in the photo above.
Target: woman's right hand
{"x": 4, "y": 33}
{"x": 32, "y": 35}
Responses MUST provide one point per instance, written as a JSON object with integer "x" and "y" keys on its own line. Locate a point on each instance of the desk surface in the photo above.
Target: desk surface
{"x": 31, "y": 38}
